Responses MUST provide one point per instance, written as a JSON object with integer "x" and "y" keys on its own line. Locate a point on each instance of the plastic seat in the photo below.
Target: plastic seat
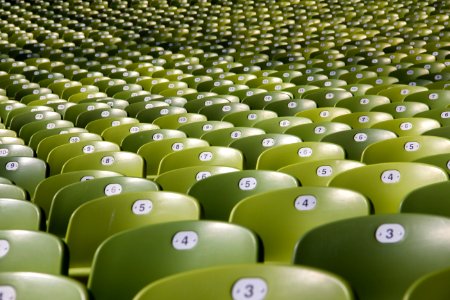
{"x": 408, "y": 126}
{"x": 125, "y": 163}
{"x": 300, "y": 209}
{"x": 219, "y": 111}
{"x": 35, "y": 286}
{"x": 283, "y": 155}
{"x": 88, "y": 116}
{"x": 316, "y": 131}
{"x": 173, "y": 121}
{"x": 362, "y": 102}
{"x": 134, "y": 141}
{"x": 260, "y": 100}
{"x": 198, "y": 129}
{"x": 9, "y": 150}
{"x": 326, "y": 97}
{"x": 280, "y": 124}
{"x": 438, "y": 160}
{"x": 32, "y": 251}
{"x": 202, "y": 156}
{"x": 96, "y": 220}
{"x": 99, "y": 125}
{"x": 402, "y": 109}
{"x": 272, "y": 282}
{"x": 209, "y": 244}
{"x": 26, "y": 172}
{"x": 151, "y": 114}
{"x": 322, "y": 114}
{"x": 117, "y": 134}
{"x": 399, "y": 93}
{"x": 229, "y": 188}
{"x": 248, "y": 118}
{"x": 72, "y": 196}
{"x": 319, "y": 172}
{"x": 432, "y": 285}
{"x": 225, "y": 136}
{"x": 19, "y": 214}
{"x": 11, "y": 191}
{"x": 390, "y": 182}
{"x": 407, "y": 148}
{"x": 47, "y": 188}
{"x": 253, "y": 146}
{"x": 15, "y": 111}
{"x": 390, "y": 241}
{"x": 442, "y": 115}
{"x": 27, "y": 130}
{"x": 61, "y": 154}
{"x": 432, "y": 98}
{"x": 133, "y": 109}
{"x": 364, "y": 119}
{"x": 429, "y": 199}
{"x": 154, "y": 152}
{"x": 47, "y": 144}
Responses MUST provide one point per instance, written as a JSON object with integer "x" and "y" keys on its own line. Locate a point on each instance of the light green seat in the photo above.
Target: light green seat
{"x": 47, "y": 188}
{"x": 406, "y": 148}
{"x": 12, "y": 191}
{"x": 389, "y": 182}
{"x": 379, "y": 255}
{"x": 152, "y": 252}
{"x": 432, "y": 98}
{"x": 317, "y": 131}
{"x": 36, "y": 286}
{"x": 218, "y": 194}
{"x": 32, "y": 251}
{"x": 323, "y": 114}
{"x": 202, "y": 156}
{"x": 72, "y": 196}
{"x": 442, "y": 115}
{"x": 117, "y": 134}
{"x": 284, "y": 155}
{"x": 433, "y": 285}
{"x": 257, "y": 280}
{"x": 100, "y": 125}
{"x": 280, "y": 124}
{"x": 408, "y": 126}
{"x": 402, "y": 109}
{"x": 290, "y": 107}
{"x": 400, "y": 92}
{"x": 226, "y": 136}
{"x": 325, "y": 97}
{"x": 362, "y": 102}
{"x": 154, "y": 152}
{"x": 15, "y": 150}
{"x": 86, "y": 117}
{"x": 253, "y": 146}
{"x": 199, "y": 128}
{"x": 260, "y": 100}
{"x": 365, "y": 119}
{"x": 94, "y": 221}
{"x": 61, "y": 154}
{"x": 25, "y": 172}
{"x": 180, "y": 180}
{"x": 134, "y": 108}
{"x": 149, "y": 115}
{"x": 19, "y": 214}
{"x": 430, "y": 199}
{"x": 319, "y": 172}
{"x": 355, "y": 141}
{"x": 27, "y": 130}
{"x": 441, "y": 131}
{"x": 220, "y": 110}
{"x": 71, "y": 114}
{"x": 174, "y": 121}
{"x": 439, "y": 160}
{"x": 46, "y": 145}
{"x": 298, "y": 209}
{"x": 134, "y": 141}
{"x": 249, "y": 117}
{"x": 125, "y": 163}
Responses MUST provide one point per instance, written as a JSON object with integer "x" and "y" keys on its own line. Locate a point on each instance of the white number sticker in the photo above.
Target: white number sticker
{"x": 142, "y": 207}
{"x": 158, "y": 136}
{"x": 406, "y": 126}
{"x": 236, "y": 134}
{"x": 305, "y": 202}
{"x": 205, "y": 156}
{"x": 4, "y": 248}
{"x": 115, "y": 123}
{"x": 4, "y": 152}
{"x": 320, "y": 130}
{"x": 51, "y": 125}
{"x": 324, "y": 113}
{"x": 185, "y": 240}
{"x": 177, "y": 146}
{"x": 226, "y": 108}
{"x": 324, "y": 171}
{"x": 202, "y": 175}
{"x": 360, "y": 137}
{"x": 445, "y": 115}
{"x": 207, "y": 127}
{"x": 400, "y": 108}
{"x": 305, "y": 152}
{"x": 284, "y": 123}
{"x": 269, "y": 142}
{"x": 448, "y": 164}
{"x": 248, "y": 183}
{"x": 252, "y": 116}
{"x": 12, "y": 166}
{"x": 182, "y": 120}
{"x": 88, "y": 149}
{"x": 74, "y": 139}
{"x": 113, "y": 189}
{"x": 86, "y": 178}
{"x": 363, "y": 119}
{"x": 7, "y": 293}
{"x": 39, "y": 116}
{"x": 107, "y": 160}
{"x": 249, "y": 289}
{"x": 390, "y": 176}
{"x": 134, "y": 129}
{"x": 105, "y": 114}
{"x": 412, "y": 146}
{"x": 390, "y": 233}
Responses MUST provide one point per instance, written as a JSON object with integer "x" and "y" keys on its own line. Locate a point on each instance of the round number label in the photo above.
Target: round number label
{"x": 406, "y": 126}
{"x": 324, "y": 171}
{"x": 207, "y": 127}
{"x": 236, "y": 134}
{"x": 305, "y": 202}
{"x": 412, "y": 146}
{"x": 360, "y": 137}
{"x": 252, "y": 116}
{"x": 363, "y": 119}
{"x": 51, "y": 125}
{"x": 113, "y": 189}
{"x": 12, "y": 166}
{"x": 158, "y": 136}
{"x": 202, "y": 175}
{"x": 249, "y": 289}
{"x": 284, "y": 123}
{"x": 74, "y": 139}
{"x": 177, "y": 146}
{"x": 390, "y": 233}
{"x": 105, "y": 114}
{"x": 445, "y": 115}
{"x": 134, "y": 129}
{"x": 390, "y": 176}
{"x": 248, "y": 183}
{"x": 205, "y": 156}
{"x": 4, "y": 152}
{"x": 269, "y": 142}
{"x": 400, "y": 108}
{"x": 185, "y": 240}
{"x": 4, "y": 248}
{"x": 7, "y": 293}
{"x": 107, "y": 160}
{"x": 320, "y": 130}
{"x": 142, "y": 207}
{"x": 88, "y": 149}
{"x": 324, "y": 113}
{"x": 115, "y": 123}
{"x": 86, "y": 178}
{"x": 305, "y": 152}
{"x": 182, "y": 120}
